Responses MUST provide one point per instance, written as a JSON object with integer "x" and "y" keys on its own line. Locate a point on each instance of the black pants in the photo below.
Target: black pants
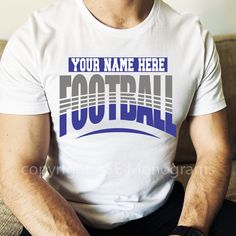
{"x": 164, "y": 220}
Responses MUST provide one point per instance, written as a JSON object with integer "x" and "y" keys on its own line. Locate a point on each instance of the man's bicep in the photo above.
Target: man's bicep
{"x": 209, "y": 133}
{"x": 24, "y": 140}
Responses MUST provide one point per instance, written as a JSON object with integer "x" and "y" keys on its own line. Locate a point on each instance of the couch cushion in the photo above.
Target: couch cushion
{"x": 2, "y": 46}
{"x": 9, "y": 224}
{"x": 227, "y": 50}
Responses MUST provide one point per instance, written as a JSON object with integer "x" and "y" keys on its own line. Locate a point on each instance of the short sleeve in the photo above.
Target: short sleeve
{"x": 209, "y": 95}
{"x": 21, "y": 91}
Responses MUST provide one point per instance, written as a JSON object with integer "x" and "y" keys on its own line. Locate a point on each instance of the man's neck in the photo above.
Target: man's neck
{"x": 120, "y": 14}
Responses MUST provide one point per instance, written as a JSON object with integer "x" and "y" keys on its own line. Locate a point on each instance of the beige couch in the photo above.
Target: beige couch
{"x": 10, "y": 226}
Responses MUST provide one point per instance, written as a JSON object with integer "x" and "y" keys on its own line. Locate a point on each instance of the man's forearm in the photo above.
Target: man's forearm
{"x": 205, "y": 191}
{"x": 39, "y": 207}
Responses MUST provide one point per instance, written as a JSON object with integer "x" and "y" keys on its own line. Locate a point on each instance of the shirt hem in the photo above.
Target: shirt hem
{"x": 212, "y": 108}
{"x": 21, "y": 109}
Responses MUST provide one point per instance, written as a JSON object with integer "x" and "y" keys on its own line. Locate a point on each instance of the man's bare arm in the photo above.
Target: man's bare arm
{"x": 208, "y": 184}
{"x": 24, "y": 142}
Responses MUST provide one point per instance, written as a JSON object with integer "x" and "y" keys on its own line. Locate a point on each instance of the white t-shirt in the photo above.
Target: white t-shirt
{"x": 117, "y": 98}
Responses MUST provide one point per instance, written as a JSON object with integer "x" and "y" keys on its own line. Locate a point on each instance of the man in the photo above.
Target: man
{"x": 113, "y": 81}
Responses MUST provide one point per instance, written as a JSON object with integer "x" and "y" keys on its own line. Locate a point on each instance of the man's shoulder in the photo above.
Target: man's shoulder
{"x": 42, "y": 25}
{"x": 175, "y": 18}
{"x": 58, "y": 11}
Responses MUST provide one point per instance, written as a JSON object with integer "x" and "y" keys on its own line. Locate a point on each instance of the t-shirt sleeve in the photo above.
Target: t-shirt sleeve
{"x": 209, "y": 95}
{"x": 21, "y": 90}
